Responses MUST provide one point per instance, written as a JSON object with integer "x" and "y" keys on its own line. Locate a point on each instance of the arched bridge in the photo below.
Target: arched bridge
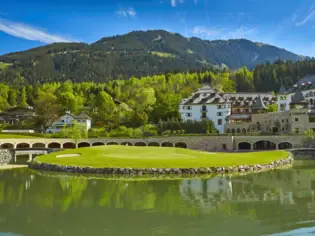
{"x": 204, "y": 143}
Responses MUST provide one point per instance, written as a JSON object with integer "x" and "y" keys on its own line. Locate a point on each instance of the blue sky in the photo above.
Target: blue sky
{"x": 289, "y": 24}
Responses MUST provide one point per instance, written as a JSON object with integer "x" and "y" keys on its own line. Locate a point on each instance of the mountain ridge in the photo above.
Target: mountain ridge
{"x": 137, "y": 53}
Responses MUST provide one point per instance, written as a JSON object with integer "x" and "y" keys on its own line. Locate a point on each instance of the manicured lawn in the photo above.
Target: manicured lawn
{"x": 156, "y": 157}
{"x": 16, "y": 136}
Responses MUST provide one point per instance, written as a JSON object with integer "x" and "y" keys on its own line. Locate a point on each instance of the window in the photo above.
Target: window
{"x": 229, "y": 106}
{"x": 62, "y": 121}
{"x": 204, "y": 115}
{"x": 204, "y": 108}
{"x": 282, "y": 121}
{"x": 219, "y": 121}
{"x": 188, "y": 107}
{"x": 219, "y": 106}
{"x": 188, "y": 114}
{"x": 219, "y": 113}
{"x": 224, "y": 146}
{"x": 296, "y": 119}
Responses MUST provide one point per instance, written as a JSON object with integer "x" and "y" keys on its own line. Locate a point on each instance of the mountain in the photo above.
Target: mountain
{"x": 137, "y": 53}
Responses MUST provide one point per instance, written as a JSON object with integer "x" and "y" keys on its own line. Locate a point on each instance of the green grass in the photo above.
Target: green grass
{"x": 163, "y": 54}
{"x": 156, "y": 157}
{"x": 4, "y": 66}
{"x": 18, "y": 136}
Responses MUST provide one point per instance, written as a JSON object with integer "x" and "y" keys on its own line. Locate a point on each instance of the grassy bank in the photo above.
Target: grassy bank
{"x": 17, "y": 136}
{"x": 156, "y": 157}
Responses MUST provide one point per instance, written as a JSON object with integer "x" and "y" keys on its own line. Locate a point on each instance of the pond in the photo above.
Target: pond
{"x": 279, "y": 202}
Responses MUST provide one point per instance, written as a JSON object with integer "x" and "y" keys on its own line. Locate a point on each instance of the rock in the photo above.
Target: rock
{"x": 5, "y": 156}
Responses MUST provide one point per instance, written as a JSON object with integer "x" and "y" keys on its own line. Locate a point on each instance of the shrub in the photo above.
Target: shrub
{"x": 167, "y": 133}
{"x": 137, "y": 133}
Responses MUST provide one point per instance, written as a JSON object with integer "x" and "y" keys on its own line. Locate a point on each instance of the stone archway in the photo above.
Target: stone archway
{"x": 7, "y": 146}
{"x": 68, "y": 145}
{"x": 98, "y": 144}
{"x": 127, "y": 144}
{"x": 153, "y": 144}
{"x": 140, "y": 144}
{"x": 54, "y": 145}
{"x": 264, "y": 145}
{"x": 22, "y": 145}
{"x": 167, "y": 144}
{"x": 112, "y": 143}
{"x": 285, "y": 145}
{"x": 39, "y": 145}
{"x": 181, "y": 145}
{"x": 244, "y": 146}
{"x": 84, "y": 144}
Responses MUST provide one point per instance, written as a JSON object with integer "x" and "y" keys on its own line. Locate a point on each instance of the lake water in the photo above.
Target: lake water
{"x": 280, "y": 202}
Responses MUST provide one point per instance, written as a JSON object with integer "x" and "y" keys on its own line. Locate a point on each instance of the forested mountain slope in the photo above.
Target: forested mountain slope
{"x": 139, "y": 53}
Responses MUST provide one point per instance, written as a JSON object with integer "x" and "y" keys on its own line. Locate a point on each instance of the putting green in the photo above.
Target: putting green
{"x": 155, "y": 157}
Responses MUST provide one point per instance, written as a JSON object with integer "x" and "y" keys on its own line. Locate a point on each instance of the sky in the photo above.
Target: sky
{"x": 288, "y": 24}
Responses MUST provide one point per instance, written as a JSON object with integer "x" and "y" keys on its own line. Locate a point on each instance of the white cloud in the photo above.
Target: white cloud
{"x": 306, "y": 19}
{"x": 28, "y": 32}
{"x": 126, "y": 12}
{"x": 175, "y": 2}
{"x": 215, "y": 33}
{"x": 240, "y": 32}
{"x": 204, "y": 31}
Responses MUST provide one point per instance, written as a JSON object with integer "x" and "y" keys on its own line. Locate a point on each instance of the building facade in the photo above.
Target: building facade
{"x": 222, "y": 108}
{"x": 304, "y": 87}
{"x": 296, "y": 112}
{"x": 16, "y": 115}
{"x": 67, "y": 120}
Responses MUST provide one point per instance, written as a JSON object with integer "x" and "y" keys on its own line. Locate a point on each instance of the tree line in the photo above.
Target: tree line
{"x": 140, "y": 101}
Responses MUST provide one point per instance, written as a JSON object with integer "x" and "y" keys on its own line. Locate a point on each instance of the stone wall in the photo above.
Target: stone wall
{"x": 162, "y": 171}
{"x": 5, "y": 157}
{"x": 202, "y": 143}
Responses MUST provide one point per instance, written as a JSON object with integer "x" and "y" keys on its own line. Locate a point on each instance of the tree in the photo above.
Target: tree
{"x": 22, "y": 98}
{"x": 308, "y": 137}
{"x": 272, "y": 108}
{"x": 68, "y": 101}
{"x": 47, "y": 110}
{"x": 76, "y": 132}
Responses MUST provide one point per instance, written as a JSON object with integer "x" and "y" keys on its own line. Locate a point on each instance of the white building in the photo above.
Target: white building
{"x": 209, "y": 104}
{"x": 67, "y": 120}
{"x": 206, "y": 103}
{"x": 305, "y": 86}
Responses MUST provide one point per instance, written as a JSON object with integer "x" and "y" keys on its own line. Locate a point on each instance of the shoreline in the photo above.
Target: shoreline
{"x": 162, "y": 171}
{"x": 10, "y": 166}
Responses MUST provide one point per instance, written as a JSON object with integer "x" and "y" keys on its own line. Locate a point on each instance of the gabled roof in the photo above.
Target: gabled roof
{"x": 82, "y": 115}
{"x": 282, "y": 90}
{"x": 298, "y": 98}
{"x": 258, "y": 104}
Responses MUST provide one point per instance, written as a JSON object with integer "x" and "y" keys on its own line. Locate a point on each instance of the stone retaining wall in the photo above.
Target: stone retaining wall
{"x": 5, "y": 157}
{"x": 166, "y": 171}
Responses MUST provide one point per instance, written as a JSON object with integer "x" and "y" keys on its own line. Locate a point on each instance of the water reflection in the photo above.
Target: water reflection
{"x": 264, "y": 203}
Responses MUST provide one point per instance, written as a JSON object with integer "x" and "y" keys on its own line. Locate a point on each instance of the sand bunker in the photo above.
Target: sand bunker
{"x": 68, "y": 155}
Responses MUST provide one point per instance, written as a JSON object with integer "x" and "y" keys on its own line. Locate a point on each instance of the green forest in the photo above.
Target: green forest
{"x": 138, "y": 53}
{"x": 147, "y": 100}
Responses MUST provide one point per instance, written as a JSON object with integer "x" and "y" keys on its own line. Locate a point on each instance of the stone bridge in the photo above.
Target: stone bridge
{"x": 204, "y": 143}
{"x": 267, "y": 142}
